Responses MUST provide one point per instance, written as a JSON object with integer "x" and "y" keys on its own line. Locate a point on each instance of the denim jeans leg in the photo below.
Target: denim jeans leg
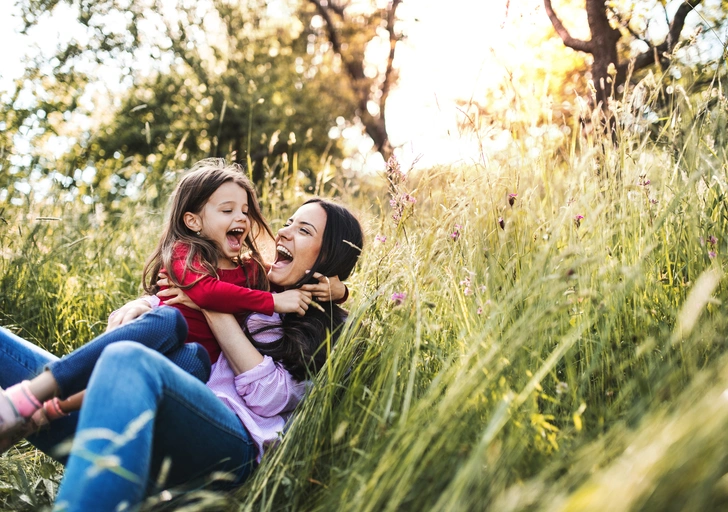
{"x": 139, "y": 410}
{"x": 164, "y": 329}
{"x": 21, "y": 360}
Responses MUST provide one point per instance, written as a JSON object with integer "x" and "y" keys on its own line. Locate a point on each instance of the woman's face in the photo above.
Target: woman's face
{"x": 298, "y": 245}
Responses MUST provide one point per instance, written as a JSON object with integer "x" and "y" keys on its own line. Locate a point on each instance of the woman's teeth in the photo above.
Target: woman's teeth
{"x": 284, "y": 253}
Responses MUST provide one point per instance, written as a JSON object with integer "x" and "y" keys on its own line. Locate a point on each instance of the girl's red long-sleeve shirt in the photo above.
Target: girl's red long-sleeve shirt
{"x": 228, "y": 294}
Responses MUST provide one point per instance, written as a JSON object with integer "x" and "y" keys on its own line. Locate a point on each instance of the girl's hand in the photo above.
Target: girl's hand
{"x": 127, "y": 313}
{"x": 327, "y": 288}
{"x": 291, "y": 301}
{"x": 173, "y": 295}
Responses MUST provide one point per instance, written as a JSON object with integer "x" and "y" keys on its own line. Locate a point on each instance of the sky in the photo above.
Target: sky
{"x": 453, "y": 52}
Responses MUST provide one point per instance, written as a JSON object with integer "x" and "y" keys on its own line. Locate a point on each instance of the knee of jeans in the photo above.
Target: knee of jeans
{"x": 175, "y": 320}
{"x": 126, "y": 354}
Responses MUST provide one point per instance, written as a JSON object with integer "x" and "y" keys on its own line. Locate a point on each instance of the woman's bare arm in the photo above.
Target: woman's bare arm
{"x": 239, "y": 351}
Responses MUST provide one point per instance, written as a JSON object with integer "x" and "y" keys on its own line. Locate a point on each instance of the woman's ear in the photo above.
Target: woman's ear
{"x": 192, "y": 221}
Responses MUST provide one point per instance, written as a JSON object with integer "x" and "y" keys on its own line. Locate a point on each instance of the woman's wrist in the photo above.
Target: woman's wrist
{"x": 345, "y": 297}
{"x": 152, "y": 300}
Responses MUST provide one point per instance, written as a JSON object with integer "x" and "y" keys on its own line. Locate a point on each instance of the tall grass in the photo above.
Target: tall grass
{"x": 563, "y": 348}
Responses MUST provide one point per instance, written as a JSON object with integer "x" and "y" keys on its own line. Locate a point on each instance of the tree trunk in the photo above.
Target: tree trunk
{"x": 604, "y": 50}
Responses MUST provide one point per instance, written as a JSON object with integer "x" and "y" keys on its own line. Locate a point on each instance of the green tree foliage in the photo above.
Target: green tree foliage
{"x": 145, "y": 89}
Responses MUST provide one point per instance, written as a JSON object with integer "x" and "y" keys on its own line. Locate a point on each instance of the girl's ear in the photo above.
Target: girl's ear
{"x": 192, "y": 221}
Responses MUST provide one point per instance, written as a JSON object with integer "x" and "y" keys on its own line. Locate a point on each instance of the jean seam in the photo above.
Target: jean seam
{"x": 180, "y": 400}
{"x": 12, "y": 355}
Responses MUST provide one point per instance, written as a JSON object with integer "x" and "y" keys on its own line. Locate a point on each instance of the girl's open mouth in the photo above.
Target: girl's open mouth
{"x": 234, "y": 238}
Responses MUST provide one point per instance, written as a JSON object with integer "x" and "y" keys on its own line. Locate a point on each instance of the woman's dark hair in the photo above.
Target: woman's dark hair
{"x": 302, "y": 349}
{"x": 191, "y": 195}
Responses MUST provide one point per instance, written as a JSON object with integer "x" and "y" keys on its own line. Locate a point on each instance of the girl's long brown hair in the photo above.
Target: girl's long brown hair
{"x": 190, "y": 195}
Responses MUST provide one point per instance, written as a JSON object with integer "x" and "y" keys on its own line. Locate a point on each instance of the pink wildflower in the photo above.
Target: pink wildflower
{"x": 502, "y": 223}
{"x": 711, "y": 254}
{"x": 380, "y": 238}
{"x": 512, "y": 198}
{"x": 394, "y": 171}
{"x": 455, "y": 235}
{"x": 578, "y": 219}
{"x": 398, "y": 298}
{"x": 712, "y": 240}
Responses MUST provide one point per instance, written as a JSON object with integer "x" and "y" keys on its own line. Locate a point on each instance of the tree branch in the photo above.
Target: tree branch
{"x": 576, "y": 44}
{"x": 678, "y": 22}
{"x": 625, "y": 24}
{"x": 656, "y": 54}
{"x": 333, "y": 35}
{"x": 393, "y": 38}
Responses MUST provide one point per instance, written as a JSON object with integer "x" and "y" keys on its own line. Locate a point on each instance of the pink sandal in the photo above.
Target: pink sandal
{"x": 10, "y": 418}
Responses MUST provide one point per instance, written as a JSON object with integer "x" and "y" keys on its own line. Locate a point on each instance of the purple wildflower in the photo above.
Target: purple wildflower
{"x": 380, "y": 238}
{"x": 502, "y": 223}
{"x": 711, "y": 254}
{"x": 455, "y": 235}
{"x": 712, "y": 240}
{"x": 394, "y": 171}
{"x": 578, "y": 219}
{"x": 512, "y": 198}
{"x": 398, "y": 298}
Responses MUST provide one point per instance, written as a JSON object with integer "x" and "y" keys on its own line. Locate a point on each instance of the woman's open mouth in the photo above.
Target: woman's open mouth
{"x": 283, "y": 256}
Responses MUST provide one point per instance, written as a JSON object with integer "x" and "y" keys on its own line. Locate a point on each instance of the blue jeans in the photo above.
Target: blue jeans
{"x": 139, "y": 411}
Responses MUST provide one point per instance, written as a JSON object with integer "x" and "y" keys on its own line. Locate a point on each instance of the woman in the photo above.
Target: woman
{"x": 144, "y": 418}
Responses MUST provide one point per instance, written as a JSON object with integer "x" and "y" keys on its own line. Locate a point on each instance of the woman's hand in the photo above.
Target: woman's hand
{"x": 327, "y": 288}
{"x": 173, "y": 295}
{"x": 127, "y": 313}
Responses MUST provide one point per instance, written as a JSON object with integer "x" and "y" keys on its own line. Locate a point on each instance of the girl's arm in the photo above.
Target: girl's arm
{"x": 215, "y": 295}
{"x": 239, "y": 351}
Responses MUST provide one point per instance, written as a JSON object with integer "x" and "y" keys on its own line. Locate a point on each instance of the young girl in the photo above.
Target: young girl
{"x": 208, "y": 249}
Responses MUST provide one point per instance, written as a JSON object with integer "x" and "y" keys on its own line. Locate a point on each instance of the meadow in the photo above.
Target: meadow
{"x": 542, "y": 329}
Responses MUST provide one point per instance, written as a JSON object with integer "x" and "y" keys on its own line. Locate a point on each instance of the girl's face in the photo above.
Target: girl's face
{"x": 224, "y": 220}
{"x": 298, "y": 245}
